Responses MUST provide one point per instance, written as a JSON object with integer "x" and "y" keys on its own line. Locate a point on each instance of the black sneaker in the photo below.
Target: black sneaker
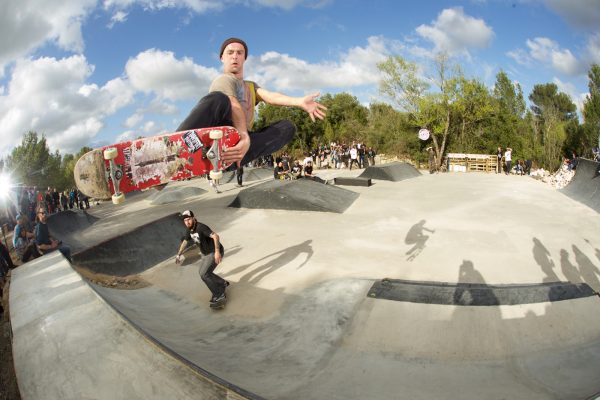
{"x": 220, "y": 298}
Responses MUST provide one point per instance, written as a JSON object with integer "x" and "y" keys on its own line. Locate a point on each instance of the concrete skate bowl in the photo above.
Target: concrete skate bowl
{"x": 395, "y": 172}
{"x": 299, "y": 195}
{"x": 67, "y": 225}
{"x": 585, "y": 185}
{"x": 135, "y": 251}
{"x": 174, "y": 194}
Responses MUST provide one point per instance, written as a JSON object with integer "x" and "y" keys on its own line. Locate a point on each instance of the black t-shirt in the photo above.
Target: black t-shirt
{"x": 200, "y": 234}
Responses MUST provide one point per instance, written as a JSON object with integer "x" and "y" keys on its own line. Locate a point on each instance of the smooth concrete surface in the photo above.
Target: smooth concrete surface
{"x": 299, "y": 323}
{"x": 69, "y": 344}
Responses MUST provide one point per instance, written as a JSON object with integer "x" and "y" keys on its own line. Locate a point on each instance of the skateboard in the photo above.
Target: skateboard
{"x": 112, "y": 171}
{"x": 219, "y": 305}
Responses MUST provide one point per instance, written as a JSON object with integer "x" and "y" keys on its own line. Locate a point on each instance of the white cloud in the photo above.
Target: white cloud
{"x": 159, "y": 72}
{"x": 357, "y": 67}
{"x": 51, "y": 97}
{"x": 133, "y": 120}
{"x": 118, "y": 18}
{"x": 28, "y": 24}
{"x": 593, "y": 48}
{"x": 456, "y": 33}
{"x": 520, "y": 56}
{"x": 203, "y": 6}
{"x": 548, "y": 51}
{"x": 579, "y": 13}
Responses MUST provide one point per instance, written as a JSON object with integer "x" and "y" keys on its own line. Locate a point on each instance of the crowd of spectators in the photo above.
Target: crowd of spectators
{"x": 27, "y": 213}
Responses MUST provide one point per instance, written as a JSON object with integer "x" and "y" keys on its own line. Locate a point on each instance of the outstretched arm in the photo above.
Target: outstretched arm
{"x": 308, "y": 103}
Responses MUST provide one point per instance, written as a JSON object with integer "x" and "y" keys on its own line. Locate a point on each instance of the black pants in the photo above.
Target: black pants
{"x": 214, "y": 282}
{"x": 239, "y": 174}
{"x": 214, "y": 109}
{"x": 30, "y": 253}
{"x": 5, "y": 260}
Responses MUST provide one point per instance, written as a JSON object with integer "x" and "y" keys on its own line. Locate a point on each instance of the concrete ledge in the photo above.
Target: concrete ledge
{"x": 348, "y": 181}
{"x": 473, "y": 294}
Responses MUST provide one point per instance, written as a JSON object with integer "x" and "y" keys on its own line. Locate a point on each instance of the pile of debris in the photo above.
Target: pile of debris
{"x": 558, "y": 180}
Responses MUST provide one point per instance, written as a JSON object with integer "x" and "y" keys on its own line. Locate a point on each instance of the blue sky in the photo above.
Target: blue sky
{"x": 90, "y": 73}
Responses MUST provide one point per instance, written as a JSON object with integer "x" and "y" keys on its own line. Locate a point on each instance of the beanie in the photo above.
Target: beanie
{"x": 234, "y": 40}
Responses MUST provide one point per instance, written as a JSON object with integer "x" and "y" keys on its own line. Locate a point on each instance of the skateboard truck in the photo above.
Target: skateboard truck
{"x": 214, "y": 154}
{"x": 115, "y": 174}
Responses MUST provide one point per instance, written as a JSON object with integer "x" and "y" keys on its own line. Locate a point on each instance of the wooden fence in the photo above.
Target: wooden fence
{"x": 459, "y": 162}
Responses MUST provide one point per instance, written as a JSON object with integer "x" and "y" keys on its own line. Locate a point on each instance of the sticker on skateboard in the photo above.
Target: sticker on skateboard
{"x": 112, "y": 171}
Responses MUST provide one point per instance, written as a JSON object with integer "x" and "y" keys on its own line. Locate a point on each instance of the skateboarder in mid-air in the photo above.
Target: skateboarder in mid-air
{"x": 212, "y": 253}
{"x": 231, "y": 101}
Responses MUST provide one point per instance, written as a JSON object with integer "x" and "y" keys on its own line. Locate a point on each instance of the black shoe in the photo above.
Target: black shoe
{"x": 218, "y": 299}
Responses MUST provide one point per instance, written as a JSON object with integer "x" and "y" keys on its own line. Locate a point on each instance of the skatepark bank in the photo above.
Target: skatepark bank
{"x": 300, "y": 322}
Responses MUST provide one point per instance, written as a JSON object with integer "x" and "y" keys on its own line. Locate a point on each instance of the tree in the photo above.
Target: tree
{"x": 591, "y": 113}
{"x": 547, "y": 98}
{"x": 32, "y": 163}
{"x": 473, "y": 109}
{"x": 553, "y": 112}
{"x": 508, "y": 95}
{"x": 401, "y": 83}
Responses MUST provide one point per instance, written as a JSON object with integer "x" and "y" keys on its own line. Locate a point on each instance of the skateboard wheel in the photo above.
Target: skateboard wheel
{"x": 216, "y": 175}
{"x": 118, "y": 198}
{"x": 215, "y": 134}
{"x": 110, "y": 154}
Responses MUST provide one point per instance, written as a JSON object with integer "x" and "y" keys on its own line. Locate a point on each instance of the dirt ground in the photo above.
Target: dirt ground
{"x": 8, "y": 381}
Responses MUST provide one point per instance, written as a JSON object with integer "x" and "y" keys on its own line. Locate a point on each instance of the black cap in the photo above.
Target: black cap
{"x": 186, "y": 214}
{"x": 234, "y": 40}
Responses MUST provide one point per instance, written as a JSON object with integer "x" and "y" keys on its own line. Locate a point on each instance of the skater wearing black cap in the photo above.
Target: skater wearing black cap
{"x": 212, "y": 253}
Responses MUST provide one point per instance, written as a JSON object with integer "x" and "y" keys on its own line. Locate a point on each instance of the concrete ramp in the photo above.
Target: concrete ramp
{"x": 175, "y": 194}
{"x": 68, "y": 225}
{"x": 69, "y": 343}
{"x": 134, "y": 251}
{"x": 585, "y": 185}
{"x": 299, "y": 195}
{"x": 395, "y": 172}
{"x": 257, "y": 174}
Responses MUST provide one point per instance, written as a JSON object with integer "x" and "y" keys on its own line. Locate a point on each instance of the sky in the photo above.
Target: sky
{"x": 92, "y": 73}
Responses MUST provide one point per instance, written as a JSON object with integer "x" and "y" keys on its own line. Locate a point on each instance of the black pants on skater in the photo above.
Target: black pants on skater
{"x": 215, "y": 283}
{"x": 214, "y": 109}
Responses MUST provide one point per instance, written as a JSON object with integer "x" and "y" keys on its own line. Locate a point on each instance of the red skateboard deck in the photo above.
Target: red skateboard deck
{"x": 139, "y": 164}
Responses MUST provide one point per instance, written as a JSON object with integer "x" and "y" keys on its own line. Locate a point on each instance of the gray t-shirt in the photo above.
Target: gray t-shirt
{"x": 243, "y": 91}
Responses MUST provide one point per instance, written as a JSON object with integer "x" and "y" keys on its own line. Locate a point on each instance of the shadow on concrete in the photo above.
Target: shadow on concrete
{"x": 282, "y": 258}
{"x": 417, "y": 238}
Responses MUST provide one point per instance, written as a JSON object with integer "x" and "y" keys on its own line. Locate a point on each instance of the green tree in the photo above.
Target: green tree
{"x": 547, "y": 98}
{"x": 473, "y": 109}
{"x": 590, "y": 137}
{"x": 553, "y": 112}
{"x": 32, "y": 163}
{"x": 348, "y": 118}
{"x": 509, "y": 95}
{"x": 401, "y": 83}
